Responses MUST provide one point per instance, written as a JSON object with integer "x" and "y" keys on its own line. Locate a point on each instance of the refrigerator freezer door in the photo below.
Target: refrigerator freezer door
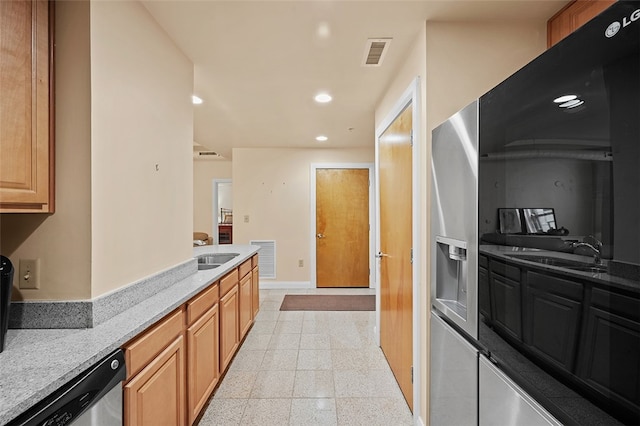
{"x": 454, "y": 377}
{"x": 454, "y": 219}
{"x": 502, "y": 402}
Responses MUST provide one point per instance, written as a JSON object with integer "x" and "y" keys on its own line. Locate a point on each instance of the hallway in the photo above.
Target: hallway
{"x": 308, "y": 368}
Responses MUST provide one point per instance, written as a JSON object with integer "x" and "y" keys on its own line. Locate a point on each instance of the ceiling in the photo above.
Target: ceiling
{"x": 258, "y": 64}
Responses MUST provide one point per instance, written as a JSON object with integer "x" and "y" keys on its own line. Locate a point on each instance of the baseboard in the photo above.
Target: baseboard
{"x": 284, "y": 285}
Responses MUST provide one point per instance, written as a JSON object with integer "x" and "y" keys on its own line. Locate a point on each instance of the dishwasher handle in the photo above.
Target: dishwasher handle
{"x": 66, "y": 404}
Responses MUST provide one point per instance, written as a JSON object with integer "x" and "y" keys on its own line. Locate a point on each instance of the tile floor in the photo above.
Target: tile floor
{"x": 308, "y": 368}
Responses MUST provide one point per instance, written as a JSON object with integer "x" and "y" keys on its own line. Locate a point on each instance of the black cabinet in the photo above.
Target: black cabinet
{"x": 609, "y": 360}
{"x": 552, "y": 318}
{"x": 506, "y": 304}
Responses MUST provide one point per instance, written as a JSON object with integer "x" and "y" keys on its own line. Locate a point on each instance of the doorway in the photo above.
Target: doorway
{"x": 399, "y": 240}
{"x": 341, "y": 217}
{"x": 222, "y": 211}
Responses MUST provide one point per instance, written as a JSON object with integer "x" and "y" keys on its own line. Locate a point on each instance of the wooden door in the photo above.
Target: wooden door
{"x": 396, "y": 283}
{"x": 342, "y": 227}
{"x": 156, "y": 396}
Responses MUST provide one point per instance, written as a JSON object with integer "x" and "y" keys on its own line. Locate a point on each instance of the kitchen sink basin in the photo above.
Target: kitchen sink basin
{"x": 562, "y": 263}
{"x": 213, "y": 260}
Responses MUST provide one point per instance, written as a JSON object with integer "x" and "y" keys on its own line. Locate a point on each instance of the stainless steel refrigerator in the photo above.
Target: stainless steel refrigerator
{"x": 466, "y": 387}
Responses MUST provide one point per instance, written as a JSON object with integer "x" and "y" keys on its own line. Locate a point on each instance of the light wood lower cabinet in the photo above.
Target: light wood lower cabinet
{"x": 229, "y": 326}
{"x": 156, "y": 395}
{"x": 174, "y": 366}
{"x": 203, "y": 351}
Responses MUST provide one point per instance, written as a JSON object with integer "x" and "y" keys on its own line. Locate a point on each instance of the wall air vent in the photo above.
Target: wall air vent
{"x": 375, "y": 51}
{"x": 266, "y": 258}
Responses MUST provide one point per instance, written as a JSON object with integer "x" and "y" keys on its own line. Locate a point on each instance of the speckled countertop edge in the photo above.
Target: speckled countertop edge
{"x": 36, "y": 362}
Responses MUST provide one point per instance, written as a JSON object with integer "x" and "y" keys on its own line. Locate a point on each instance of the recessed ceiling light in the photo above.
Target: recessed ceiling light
{"x": 323, "y": 98}
{"x": 196, "y": 100}
{"x": 322, "y": 138}
{"x": 572, "y": 104}
{"x": 565, "y": 98}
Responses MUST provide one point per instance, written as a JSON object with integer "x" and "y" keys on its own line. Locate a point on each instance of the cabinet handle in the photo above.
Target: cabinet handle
{"x": 381, "y": 255}
{"x": 320, "y": 236}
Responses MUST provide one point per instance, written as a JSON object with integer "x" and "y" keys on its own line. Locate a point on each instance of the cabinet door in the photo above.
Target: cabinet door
{"x": 552, "y": 318}
{"x": 255, "y": 292}
{"x": 156, "y": 396}
{"x": 246, "y": 309}
{"x": 572, "y": 17}
{"x": 229, "y": 327}
{"x": 609, "y": 356}
{"x": 484, "y": 292}
{"x": 26, "y": 141}
{"x": 203, "y": 362}
{"x": 506, "y": 302}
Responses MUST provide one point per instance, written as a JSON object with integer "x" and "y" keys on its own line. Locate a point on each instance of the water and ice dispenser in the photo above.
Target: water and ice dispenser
{"x": 451, "y": 274}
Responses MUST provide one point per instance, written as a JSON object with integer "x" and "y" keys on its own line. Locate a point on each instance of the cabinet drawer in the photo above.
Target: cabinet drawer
{"x": 228, "y": 282}
{"x": 202, "y": 302}
{"x": 245, "y": 268}
{"x": 140, "y": 351}
{"x": 254, "y": 261}
{"x": 505, "y": 270}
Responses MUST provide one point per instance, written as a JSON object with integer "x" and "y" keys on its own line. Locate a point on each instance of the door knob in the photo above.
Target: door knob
{"x": 320, "y": 236}
{"x": 381, "y": 254}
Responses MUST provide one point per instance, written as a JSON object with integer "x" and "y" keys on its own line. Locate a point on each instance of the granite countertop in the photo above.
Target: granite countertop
{"x": 36, "y": 362}
{"x": 510, "y": 254}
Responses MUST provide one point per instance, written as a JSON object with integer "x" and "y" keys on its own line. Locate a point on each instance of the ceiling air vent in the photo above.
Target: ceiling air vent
{"x": 375, "y": 51}
{"x": 207, "y": 155}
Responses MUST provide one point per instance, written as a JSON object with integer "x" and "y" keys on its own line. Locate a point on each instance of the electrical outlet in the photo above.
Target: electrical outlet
{"x": 300, "y": 263}
{"x": 29, "y": 277}
{"x": 246, "y": 218}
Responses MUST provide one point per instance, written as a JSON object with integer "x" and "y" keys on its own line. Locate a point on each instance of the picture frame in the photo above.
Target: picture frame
{"x": 510, "y": 221}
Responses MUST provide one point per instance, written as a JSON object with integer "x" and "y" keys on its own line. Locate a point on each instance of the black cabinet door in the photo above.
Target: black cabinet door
{"x": 506, "y": 303}
{"x": 552, "y": 318}
{"x": 610, "y": 354}
{"x": 484, "y": 298}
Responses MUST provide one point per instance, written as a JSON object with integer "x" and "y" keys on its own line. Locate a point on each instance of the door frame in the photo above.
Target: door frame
{"x": 215, "y": 210}
{"x": 410, "y": 96}
{"x": 312, "y": 223}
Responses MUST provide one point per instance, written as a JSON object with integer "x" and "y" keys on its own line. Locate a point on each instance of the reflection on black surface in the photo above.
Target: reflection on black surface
{"x": 568, "y": 405}
{"x": 583, "y": 164}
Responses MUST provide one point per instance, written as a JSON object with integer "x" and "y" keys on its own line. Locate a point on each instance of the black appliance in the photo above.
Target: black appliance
{"x": 6, "y": 283}
{"x": 559, "y": 312}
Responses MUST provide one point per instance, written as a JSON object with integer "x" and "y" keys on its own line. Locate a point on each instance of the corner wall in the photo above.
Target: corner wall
{"x": 457, "y": 62}
{"x": 62, "y": 241}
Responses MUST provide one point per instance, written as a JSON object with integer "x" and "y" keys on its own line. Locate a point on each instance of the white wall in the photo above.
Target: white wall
{"x": 272, "y": 187}
{"x": 142, "y": 138}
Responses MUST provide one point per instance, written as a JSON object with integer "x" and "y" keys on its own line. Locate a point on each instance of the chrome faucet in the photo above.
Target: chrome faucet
{"x": 595, "y": 248}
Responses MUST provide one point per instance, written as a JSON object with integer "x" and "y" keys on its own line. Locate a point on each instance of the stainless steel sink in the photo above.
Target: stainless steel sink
{"x": 213, "y": 260}
{"x": 562, "y": 263}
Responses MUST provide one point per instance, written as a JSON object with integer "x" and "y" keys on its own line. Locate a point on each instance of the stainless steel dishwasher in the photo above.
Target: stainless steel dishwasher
{"x": 94, "y": 398}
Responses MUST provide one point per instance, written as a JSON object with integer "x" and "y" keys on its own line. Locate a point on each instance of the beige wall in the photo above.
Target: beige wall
{"x": 62, "y": 241}
{"x": 204, "y": 172}
{"x": 457, "y": 63}
{"x": 123, "y": 94}
{"x": 141, "y": 143}
{"x": 272, "y": 187}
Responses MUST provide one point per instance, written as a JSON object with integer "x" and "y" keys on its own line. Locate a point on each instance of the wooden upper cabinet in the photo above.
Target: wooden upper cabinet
{"x": 26, "y": 107}
{"x": 573, "y": 16}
